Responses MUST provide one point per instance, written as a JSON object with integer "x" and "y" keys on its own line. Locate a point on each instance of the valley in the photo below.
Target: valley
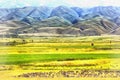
{"x": 38, "y": 57}
{"x": 40, "y": 43}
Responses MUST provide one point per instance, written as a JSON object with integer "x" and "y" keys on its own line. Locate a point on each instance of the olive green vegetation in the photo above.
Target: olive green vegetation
{"x": 26, "y": 58}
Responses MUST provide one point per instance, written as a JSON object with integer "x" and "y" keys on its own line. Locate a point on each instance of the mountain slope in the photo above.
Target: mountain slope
{"x": 66, "y": 13}
{"x": 60, "y": 20}
{"x": 36, "y": 13}
{"x": 107, "y": 11}
{"x": 96, "y": 26}
{"x": 78, "y": 10}
{"x": 53, "y": 22}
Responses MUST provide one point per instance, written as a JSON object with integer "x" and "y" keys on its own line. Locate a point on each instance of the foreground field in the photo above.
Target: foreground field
{"x": 93, "y": 69}
{"x": 21, "y": 58}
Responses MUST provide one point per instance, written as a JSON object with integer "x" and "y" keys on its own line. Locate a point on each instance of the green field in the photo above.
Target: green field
{"x": 28, "y": 58}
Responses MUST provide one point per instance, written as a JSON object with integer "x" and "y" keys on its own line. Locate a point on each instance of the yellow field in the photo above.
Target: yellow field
{"x": 109, "y": 44}
{"x": 102, "y": 45}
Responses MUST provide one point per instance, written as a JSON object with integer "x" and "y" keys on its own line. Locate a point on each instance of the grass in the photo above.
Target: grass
{"x": 65, "y": 45}
{"x": 28, "y": 58}
{"x": 58, "y": 49}
{"x": 58, "y": 53}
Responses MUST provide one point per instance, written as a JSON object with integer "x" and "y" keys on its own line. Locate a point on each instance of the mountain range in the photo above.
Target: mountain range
{"x": 59, "y": 21}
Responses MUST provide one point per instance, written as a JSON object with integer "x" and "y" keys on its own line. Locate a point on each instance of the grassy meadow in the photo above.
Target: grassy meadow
{"x": 20, "y": 56}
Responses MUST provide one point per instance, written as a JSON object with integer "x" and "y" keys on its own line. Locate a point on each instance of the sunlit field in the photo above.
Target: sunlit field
{"x": 60, "y": 45}
{"x": 34, "y": 58}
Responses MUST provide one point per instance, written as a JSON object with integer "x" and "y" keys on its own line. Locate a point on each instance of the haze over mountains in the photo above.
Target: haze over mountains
{"x": 59, "y": 21}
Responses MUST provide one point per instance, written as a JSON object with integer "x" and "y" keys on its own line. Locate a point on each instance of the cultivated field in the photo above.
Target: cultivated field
{"x": 46, "y": 58}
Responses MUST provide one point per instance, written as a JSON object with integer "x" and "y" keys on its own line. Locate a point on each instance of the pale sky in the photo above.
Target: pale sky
{"x": 53, "y": 3}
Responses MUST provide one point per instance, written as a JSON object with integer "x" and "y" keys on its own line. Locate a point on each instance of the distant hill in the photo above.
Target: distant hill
{"x": 96, "y": 26}
{"x": 53, "y": 22}
{"x": 61, "y": 20}
{"x": 78, "y": 10}
{"x": 66, "y": 13}
{"x": 117, "y": 20}
{"x": 36, "y": 13}
{"x": 106, "y": 11}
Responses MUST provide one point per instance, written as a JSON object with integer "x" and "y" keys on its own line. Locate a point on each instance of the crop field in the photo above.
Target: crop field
{"x": 46, "y": 58}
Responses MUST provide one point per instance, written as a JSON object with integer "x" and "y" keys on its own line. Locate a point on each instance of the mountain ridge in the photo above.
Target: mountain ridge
{"x": 72, "y": 20}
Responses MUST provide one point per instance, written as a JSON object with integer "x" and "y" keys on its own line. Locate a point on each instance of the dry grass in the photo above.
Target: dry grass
{"x": 70, "y": 45}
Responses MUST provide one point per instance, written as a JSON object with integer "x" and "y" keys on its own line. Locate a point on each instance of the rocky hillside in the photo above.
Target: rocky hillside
{"x": 35, "y": 13}
{"x": 53, "y": 22}
{"x": 96, "y": 26}
{"x": 107, "y": 11}
{"x": 60, "y": 20}
{"x": 66, "y": 13}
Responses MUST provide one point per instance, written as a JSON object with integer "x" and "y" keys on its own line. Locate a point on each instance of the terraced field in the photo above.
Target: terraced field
{"x": 60, "y": 57}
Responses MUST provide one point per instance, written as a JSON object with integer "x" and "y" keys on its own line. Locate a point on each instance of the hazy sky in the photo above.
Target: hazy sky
{"x": 80, "y": 3}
